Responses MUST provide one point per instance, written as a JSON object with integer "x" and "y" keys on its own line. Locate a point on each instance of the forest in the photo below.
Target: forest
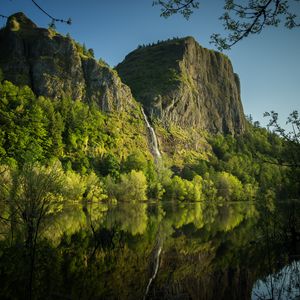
{"x": 97, "y": 161}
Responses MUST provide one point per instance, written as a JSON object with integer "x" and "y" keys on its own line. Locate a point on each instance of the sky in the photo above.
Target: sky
{"x": 268, "y": 64}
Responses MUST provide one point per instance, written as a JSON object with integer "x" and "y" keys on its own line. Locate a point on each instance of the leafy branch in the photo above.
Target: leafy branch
{"x": 242, "y": 20}
{"x": 292, "y": 137}
{"x": 293, "y": 120}
{"x": 170, "y": 7}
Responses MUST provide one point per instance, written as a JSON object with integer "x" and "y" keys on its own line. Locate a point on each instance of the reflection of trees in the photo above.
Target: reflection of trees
{"x": 231, "y": 215}
{"x": 181, "y": 214}
{"x": 285, "y": 284}
{"x": 210, "y": 251}
{"x": 33, "y": 194}
{"x": 131, "y": 217}
{"x": 72, "y": 218}
{"x": 207, "y": 264}
{"x": 67, "y": 222}
{"x": 213, "y": 216}
{"x": 278, "y": 233}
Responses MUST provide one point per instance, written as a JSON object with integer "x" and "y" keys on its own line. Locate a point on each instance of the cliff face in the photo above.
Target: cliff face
{"x": 53, "y": 66}
{"x": 180, "y": 82}
{"x": 177, "y": 81}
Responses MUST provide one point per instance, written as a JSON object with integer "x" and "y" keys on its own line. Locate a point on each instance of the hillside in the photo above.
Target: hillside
{"x": 61, "y": 102}
{"x": 58, "y": 103}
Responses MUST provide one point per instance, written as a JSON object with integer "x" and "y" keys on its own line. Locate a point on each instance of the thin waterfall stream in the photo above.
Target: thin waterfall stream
{"x": 157, "y": 155}
{"x": 154, "y": 143}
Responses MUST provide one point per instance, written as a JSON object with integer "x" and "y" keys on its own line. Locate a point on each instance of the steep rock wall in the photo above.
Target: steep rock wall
{"x": 53, "y": 66}
{"x": 181, "y": 82}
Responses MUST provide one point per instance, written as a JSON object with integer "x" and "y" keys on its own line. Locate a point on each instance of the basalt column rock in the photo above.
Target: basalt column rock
{"x": 181, "y": 82}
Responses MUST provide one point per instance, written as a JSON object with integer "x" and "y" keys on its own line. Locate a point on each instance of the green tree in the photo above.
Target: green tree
{"x": 91, "y": 52}
{"x": 109, "y": 165}
{"x": 229, "y": 187}
{"x": 288, "y": 153}
{"x": 131, "y": 187}
{"x": 194, "y": 189}
{"x": 177, "y": 189}
{"x": 135, "y": 161}
{"x": 155, "y": 186}
{"x": 34, "y": 193}
{"x": 23, "y": 124}
{"x": 292, "y": 137}
{"x": 208, "y": 187}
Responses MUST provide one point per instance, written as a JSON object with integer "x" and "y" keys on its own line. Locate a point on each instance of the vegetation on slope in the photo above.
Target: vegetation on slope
{"x": 114, "y": 147}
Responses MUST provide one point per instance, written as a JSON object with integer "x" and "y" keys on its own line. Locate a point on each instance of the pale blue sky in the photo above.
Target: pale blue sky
{"x": 268, "y": 64}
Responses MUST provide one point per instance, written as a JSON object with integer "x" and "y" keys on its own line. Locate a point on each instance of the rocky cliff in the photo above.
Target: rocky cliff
{"x": 55, "y": 66}
{"x": 179, "y": 81}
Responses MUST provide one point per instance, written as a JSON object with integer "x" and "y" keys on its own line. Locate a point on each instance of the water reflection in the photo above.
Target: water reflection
{"x": 284, "y": 284}
{"x": 159, "y": 250}
{"x": 130, "y": 217}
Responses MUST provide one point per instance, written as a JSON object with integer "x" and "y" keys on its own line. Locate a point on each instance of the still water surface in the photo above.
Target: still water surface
{"x": 165, "y": 250}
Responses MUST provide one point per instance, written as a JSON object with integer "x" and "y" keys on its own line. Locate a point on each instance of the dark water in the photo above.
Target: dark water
{"x": 164, "y": 250}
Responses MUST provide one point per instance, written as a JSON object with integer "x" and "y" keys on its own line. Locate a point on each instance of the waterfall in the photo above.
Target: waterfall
{"x": 153, "y": 137}
{"x": 157, "y": 256}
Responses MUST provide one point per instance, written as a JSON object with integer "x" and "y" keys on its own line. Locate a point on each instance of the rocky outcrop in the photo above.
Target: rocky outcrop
{"x": 104, "y": 86}
{"x": 54, "y": 66}
{"x": 177, "y": 81}
{"x": 181, "y": 82}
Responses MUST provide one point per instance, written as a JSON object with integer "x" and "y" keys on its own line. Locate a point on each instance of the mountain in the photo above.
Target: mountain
{"x": 86, "y": 115}
{"x": 180, "y": 82}
{"x": 183, "y": 87}
{"x": 56, "y": 66}
{"x": 177, "y": 81}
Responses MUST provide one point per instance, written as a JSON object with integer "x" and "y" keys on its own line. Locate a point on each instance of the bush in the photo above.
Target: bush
{"x": 130, "y": 187}
{"x": 229, "y": 187}
{"x": 182, "y": 189}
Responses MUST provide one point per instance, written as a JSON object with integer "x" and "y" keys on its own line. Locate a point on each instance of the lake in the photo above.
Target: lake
{"x": 159, "y": 250}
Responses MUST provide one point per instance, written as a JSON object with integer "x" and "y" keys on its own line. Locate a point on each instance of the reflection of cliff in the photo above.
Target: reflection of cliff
{"x": 228, "y": 284}
{"x": 221, "y": 260}
{"x": 201, "y": 254}
{"x": 207, "y": 275}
